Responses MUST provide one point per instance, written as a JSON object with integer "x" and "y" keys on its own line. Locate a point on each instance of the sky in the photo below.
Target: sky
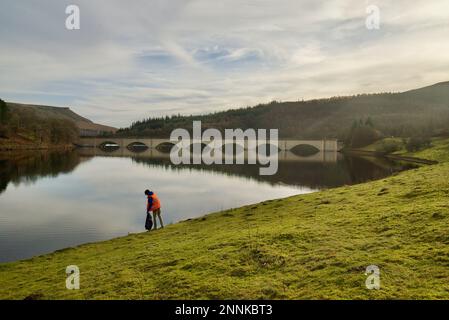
{"x": 137, "y": 59}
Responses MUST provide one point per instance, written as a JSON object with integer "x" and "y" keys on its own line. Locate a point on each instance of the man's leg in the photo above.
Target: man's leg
{"x": 160, "y": 218}
{"x": 154, "y": 220}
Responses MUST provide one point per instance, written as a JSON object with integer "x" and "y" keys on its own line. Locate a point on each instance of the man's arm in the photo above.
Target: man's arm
{"x": 150, "y": 204}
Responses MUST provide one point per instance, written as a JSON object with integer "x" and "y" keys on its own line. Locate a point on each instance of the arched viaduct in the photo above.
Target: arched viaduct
{"x": 323, "y": 145}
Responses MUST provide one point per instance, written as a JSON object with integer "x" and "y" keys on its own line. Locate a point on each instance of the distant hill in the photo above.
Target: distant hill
{"x": 85, "y": 126}
{"x": 25, "y": 126}
{"x": 422, "y": 111}
{"x": 48, "y": 111}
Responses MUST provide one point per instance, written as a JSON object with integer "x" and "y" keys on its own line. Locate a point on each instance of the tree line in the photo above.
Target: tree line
{"x": 423, "y": 112}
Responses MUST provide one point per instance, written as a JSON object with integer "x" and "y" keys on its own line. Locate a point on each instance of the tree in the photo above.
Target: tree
{"x": 4, "y": 115}
{"x": 369, "y": 122}
{"x": 4, "y": 112}
{"x": 417, "y": 143}
{"x": 364, "y": 136}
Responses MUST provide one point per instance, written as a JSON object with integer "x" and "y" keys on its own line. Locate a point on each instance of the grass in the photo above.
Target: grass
{"x": 314, "y": 246}
{"x": 26, "y": 141}
{"x": 379, "y": 145}
{"x": 438, "y": 152}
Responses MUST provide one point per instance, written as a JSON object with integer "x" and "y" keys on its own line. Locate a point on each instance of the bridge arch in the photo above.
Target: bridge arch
{"x": 305, "y": 150}
{"x": 237, "y": 147}
{"x": 109, "y": 145}
{"x": 165, "y": 147}
{"x": 137, "y": 146}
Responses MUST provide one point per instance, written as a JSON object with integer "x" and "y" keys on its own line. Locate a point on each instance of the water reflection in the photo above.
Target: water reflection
{"x": 50, "y": 201}
{"x": 318, "y": 171}
{"x": 29, "y": 166}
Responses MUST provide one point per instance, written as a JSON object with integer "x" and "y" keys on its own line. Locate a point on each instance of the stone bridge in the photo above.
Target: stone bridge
{"x": 153, "y": 143}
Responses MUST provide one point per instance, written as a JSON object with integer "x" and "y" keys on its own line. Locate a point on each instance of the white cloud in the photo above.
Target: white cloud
{"x": 136, "y": 59}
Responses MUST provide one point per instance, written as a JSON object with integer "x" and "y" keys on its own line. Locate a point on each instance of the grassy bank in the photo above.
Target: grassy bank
{"x": 28, "y": 147}
{"x": 26, "y": 141}
{"x": 311, "y": 246}
{"x": 439, "y": 150}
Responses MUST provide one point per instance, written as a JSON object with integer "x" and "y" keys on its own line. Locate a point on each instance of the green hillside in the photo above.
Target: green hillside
{"x": 423, "y": 111}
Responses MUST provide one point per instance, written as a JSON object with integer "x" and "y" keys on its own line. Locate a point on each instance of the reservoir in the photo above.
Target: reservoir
{"x": 53, "y": 200}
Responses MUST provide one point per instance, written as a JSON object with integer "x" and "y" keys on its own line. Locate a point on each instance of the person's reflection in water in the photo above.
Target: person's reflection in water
{"x": 153, "y": 205}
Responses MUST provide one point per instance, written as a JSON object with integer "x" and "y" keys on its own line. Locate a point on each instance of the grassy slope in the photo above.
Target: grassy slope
{"x": 377, "y": 146}
{"x": 310, "y": 246}
{"x": 438, "y": 152}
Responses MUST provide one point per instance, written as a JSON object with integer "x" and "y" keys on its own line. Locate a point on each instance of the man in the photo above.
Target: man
{"x": 153, "y": 205}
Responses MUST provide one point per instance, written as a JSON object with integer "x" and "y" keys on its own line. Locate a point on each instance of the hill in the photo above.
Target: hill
{"x": 47, "y": 111}
{"x": 423, "y": 111}
{"x": 86, "y": 126}
{"x": 26, "y": 126}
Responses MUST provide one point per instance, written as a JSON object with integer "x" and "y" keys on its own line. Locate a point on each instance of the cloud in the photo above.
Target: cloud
{"x": 149, "y": 58}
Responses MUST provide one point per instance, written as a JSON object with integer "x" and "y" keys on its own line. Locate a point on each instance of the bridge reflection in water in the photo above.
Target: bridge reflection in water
{"x": 323, "y": 170}
{"x": 327, "y": 170}
{"x": 139, "y": 152}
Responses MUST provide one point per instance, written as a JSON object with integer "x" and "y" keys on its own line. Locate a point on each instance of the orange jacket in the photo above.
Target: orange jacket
{"x": 153, "y": 202}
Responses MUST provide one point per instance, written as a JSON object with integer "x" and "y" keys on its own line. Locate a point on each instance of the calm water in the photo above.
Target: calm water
{"x": 49, "y": 201}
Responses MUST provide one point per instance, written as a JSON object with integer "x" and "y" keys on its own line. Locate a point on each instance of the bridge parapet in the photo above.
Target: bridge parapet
{"x": 283, "y": 144}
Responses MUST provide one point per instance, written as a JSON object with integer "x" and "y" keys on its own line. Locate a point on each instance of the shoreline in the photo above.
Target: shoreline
{"x": 377, "y": 154}
{"x": 36, "y": 147}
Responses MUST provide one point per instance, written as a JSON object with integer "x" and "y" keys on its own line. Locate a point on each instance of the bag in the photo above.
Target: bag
{"x": 148, "y": 222}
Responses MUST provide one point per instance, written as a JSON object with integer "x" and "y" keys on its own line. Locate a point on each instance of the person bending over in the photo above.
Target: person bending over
{"x": 154, "y": 205}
